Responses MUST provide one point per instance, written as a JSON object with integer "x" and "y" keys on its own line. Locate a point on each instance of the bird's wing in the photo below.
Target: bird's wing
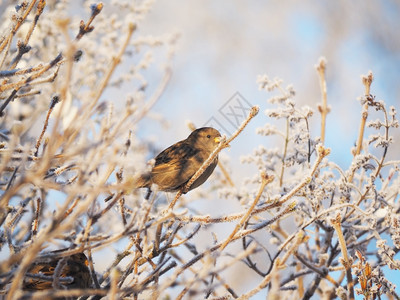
{"x": 37, "y": 284}
{"x": 176, "y": 154}
{"x": 174, "y": 166}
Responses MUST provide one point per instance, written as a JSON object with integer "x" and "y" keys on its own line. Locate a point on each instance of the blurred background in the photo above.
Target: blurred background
{"x": 223, "y": 47}
{"x": 220, "y": 50}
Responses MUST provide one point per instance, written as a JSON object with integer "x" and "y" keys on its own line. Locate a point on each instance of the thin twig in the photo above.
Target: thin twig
{"x": 336, "y": 223}
{"x": 367, "y": 81}
{"x": 21, "y": 83}
{"x": 53, "y": 103}
{"x": 265, "y": 180}
{"x": 9, "y": 99}
{"x": 278, "y": 263}
{"x": 323, "y": 109}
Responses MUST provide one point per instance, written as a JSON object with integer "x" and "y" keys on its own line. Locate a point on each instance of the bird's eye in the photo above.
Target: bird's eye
{"x": 208, "y": 136}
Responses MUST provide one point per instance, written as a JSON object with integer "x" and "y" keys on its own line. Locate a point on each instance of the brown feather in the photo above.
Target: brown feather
{"x": 75, "y": 267}
{"x": 178, "y": 163}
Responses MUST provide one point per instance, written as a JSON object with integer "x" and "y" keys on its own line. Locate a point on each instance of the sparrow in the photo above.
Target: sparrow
{"x": 176, "y": 165}
{"x": 76, "y": 266}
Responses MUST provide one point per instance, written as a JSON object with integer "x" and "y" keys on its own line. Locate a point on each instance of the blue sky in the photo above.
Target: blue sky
{"x": 222, "y": 48}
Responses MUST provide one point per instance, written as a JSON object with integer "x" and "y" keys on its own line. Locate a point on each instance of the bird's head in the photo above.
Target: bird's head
{"x": 206, "y": 138}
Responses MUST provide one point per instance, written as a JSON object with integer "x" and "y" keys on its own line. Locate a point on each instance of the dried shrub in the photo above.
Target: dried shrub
{"x": 69, "y": 157}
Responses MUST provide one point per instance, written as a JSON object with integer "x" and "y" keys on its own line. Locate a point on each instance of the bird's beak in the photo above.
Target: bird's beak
{"x": 218, "y": 140}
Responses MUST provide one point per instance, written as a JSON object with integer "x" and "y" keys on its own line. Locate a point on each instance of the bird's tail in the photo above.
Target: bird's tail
{"x": 142, "y": 181}
{"x": 137, "y": 182}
